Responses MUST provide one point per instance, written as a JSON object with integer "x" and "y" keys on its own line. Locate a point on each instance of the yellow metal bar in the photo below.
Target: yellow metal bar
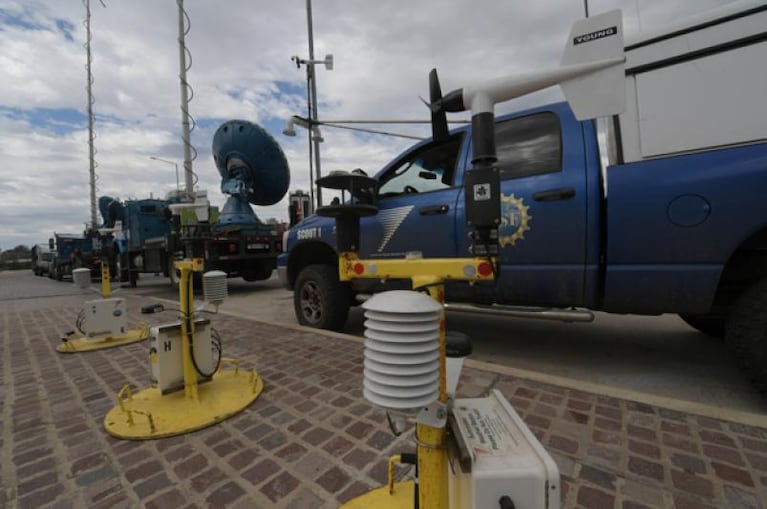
{"x": 436, "y": 290}
{"x": 432, "y": 467}
{"x": 428, "y": 275}
{"x": 186, "y": 307}
{"x": 432, "y": 452}
{"x": 445, "y": 269}
{"x": 148, "y": 415}
{"x": 397, "y": 458}
{"x": 232, "y": 362}
{"x": 253, "y": 379}
{"x": 190, "y": 377}
{"x": 125, "y": 394}
{"x": 106, "y": 288}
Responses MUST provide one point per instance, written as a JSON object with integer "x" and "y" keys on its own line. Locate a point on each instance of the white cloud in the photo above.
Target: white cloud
{"x": 241, "y": 68}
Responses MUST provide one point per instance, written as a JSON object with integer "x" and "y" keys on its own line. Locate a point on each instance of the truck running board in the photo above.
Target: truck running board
{"x": 562, "y": 315}
{"x": 557, "y": 314}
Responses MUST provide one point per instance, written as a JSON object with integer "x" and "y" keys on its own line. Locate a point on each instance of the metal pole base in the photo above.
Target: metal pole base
{"x": 401, "y": 497}
{"x": 84, "y": 344}
{"x": 149, "y": 414}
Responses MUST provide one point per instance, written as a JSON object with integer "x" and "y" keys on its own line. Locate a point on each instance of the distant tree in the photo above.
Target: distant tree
{"x": 19, "y": 252}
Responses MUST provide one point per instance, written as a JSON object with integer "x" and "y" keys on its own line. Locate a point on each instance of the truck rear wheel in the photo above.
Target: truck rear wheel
{"x": 123, "y": 268}
{"x": 746, "y": 333}
{"x": 712, "y": 325}
{"x": 319, "y": 299}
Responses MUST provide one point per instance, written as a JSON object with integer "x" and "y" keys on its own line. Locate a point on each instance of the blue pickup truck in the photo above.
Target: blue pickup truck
{"x": 671, "y": 219}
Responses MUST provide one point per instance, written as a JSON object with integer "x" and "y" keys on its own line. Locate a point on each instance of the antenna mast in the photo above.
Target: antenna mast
{"x": 187, "y": 93}
{"x": 91, "y": 100}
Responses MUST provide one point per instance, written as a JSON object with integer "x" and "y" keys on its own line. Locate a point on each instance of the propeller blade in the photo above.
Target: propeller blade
{"x": 439, "y": 129}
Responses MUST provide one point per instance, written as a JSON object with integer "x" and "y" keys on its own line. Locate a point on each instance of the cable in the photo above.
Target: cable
{"x": 190, "y": 338}
{"x": 373, "y": 131}
{"x": 79, "y": 322}
{"x": 215, "y": 342}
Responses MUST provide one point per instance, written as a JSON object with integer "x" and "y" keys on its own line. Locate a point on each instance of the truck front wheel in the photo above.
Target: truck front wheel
{"x": 319, "y": 299}
{"x": 746, "y": 332}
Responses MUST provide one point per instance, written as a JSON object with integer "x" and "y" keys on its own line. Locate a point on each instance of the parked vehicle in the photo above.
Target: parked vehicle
{"x": 676, "y": 223}
{"x": 150, "y": 233}
{"x": 42, "y": 258}
{"x": 73, "y": 251}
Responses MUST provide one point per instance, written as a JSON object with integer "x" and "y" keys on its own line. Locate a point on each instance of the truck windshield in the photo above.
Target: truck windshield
{"x": 426, "y": 169}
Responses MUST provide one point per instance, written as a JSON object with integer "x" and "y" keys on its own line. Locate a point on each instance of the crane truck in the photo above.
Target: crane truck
{"x": 675, "y": 223}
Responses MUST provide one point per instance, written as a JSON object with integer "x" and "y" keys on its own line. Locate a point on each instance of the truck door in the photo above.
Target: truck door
{"x": 543, "y": 232}
{"x": 417, "y": 204}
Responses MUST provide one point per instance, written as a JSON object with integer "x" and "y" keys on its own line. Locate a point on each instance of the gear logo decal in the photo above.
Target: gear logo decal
{"x": 515, "y": 220}
{"x": 391, "y": 220}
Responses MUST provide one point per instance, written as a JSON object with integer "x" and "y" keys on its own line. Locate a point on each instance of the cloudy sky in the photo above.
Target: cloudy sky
{"x": 241, "y": 68}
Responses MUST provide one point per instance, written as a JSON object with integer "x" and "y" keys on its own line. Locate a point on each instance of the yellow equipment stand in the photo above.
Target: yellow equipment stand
{"x": 83, "y": 344}
{"x": 149, "y": 414}
{"x": 428, "y": 275}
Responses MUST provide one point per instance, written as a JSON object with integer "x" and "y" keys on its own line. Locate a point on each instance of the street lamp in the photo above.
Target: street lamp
{"x": 306, "y": 123}
{"x": 168, "y": 162}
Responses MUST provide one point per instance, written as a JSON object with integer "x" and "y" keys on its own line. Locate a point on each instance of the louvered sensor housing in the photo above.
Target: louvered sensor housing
{"x": 401, "y": 350}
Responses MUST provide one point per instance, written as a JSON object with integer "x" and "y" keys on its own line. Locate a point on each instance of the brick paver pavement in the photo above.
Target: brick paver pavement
{"x": 311, "y": 441}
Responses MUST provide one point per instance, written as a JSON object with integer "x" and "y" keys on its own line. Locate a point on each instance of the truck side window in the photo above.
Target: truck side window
{"x": 530, "y": 145}
{"x": 427, "y": 169}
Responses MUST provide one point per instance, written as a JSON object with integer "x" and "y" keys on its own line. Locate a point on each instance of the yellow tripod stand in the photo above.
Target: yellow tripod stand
{"x": 100, "y": 341}
{"x": 151, "y": 413}
{"x": 430, "y": 276}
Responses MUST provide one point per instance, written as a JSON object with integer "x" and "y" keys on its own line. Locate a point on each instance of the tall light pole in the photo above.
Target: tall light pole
{"x": 168, "y": 162}
{"x": 311, "y": 79}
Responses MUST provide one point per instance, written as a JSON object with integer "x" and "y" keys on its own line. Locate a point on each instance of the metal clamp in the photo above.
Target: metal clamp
{"x": 434, "y": 415}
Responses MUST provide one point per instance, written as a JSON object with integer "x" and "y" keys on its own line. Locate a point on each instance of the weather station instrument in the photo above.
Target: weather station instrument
{"x": 190, "y": 388}
{"x": 102, "y": 323}
{"x": 471, "y": 453}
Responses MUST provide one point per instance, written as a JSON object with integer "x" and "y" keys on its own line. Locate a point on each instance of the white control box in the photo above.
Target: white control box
{"x": 501, "y": 457}
{"x": 167, "y": 358}
{"x": 104, "y": 318}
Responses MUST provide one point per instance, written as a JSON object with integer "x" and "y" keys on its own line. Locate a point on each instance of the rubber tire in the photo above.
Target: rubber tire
{"x": 746, "y": 334}
{"x": 319, "y": 299}
{"x": 123, "y": 268}
{"x": 712, "y": 325}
